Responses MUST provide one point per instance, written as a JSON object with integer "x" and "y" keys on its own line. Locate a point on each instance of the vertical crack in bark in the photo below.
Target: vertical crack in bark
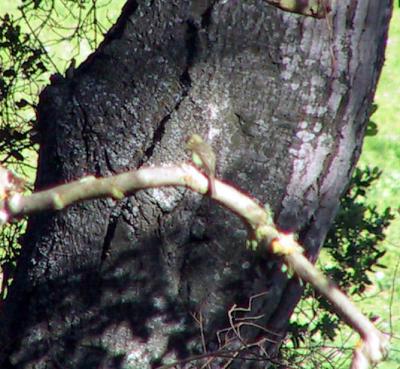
{"x": 112, "y": 225}
{"x": 157, "y": 136}
{"x": 191, "y": 44}
{"x": 186, "y": 83}
{"x": 85, "y": 133}
{"x": 206, "y": 16}
{"x": 191, "y": 48}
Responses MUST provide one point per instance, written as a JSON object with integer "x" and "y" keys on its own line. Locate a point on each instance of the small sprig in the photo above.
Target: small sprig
{"x": 203, "y": 156}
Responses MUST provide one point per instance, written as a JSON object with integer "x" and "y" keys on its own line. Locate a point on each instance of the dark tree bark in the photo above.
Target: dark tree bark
{"x": 284, "y": 101}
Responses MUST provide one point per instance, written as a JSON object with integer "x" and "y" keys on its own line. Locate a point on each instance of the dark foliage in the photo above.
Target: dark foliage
{"x": 21, "y": 65}
{"x": 353, "y": 250}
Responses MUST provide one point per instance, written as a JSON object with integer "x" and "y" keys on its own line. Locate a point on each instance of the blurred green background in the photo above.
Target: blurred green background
{"x": 383, "y": 150}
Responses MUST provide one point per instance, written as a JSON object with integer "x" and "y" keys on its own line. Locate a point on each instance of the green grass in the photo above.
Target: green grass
{"x": 383, "y": 150}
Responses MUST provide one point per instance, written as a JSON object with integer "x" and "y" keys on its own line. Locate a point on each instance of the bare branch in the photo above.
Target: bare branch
{"x": 373, "y": 346}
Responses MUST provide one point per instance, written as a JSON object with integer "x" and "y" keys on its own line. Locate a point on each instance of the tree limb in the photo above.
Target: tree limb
{"x": 373, "y": 346}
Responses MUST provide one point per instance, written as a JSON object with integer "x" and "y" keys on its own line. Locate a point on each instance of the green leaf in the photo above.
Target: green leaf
{"x": 372, "y": 129}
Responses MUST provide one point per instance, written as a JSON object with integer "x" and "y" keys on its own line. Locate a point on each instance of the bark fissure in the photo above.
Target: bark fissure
{"x": 110, "y": 233}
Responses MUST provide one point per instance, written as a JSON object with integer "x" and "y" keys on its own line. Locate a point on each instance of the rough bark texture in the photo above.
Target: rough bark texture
{"x": 282, "y": 98}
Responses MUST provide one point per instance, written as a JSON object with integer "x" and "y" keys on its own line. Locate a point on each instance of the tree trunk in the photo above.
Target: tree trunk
{"x": 283, "y": 99}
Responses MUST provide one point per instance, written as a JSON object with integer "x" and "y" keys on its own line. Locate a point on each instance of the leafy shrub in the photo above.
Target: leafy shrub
{"x": 352, "y": 251}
